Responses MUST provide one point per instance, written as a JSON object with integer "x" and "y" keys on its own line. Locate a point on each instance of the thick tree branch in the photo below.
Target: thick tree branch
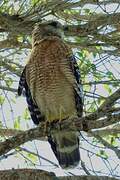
{"x": 110, "y": 101}
{"x": 39, "y": 132}
{"x": 21, "y": 138}
{"x": 103, "y": 122}
{"x": 26, "y": 174}
{"x": 9, "y": 132}
{"x": 85, "y": 123}
{"x": 16, "y": 25}
{"x": 106, "y": 132}
{"x": 34, "y": 174}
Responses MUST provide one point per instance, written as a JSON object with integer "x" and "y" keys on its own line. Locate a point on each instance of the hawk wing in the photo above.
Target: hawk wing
{"x": 78, "y": 87}
{"x": 32, "y": 106}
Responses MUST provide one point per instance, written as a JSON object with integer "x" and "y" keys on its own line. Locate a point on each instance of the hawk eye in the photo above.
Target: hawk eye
{"x": 53, "y": 23}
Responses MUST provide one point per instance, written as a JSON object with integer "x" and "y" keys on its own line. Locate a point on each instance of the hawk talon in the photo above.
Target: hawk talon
{"x": 46, "y": 127}
{"x": 59, "y": 125}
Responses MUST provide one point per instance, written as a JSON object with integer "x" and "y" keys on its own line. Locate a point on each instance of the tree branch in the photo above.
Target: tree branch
{"x": 16, "y": 25}
{"x": 117, "y": 81}
{"x": 10, "y": 68}
{"x": 110, "y": 101}
{"x": 106, "y": 132}
{"x": 13, "y": 43}
{"x": 39, "y": 132}
{"x": 108, "y": 145}
{"x": 93, "y": 2}
{"x": 44, "y": 175}
{"x": 9, "y": 132}
{"x": 82, "y": 124}
{"x": 8, "y": 89}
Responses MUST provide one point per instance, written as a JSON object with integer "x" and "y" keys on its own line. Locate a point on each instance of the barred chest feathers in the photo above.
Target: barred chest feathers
{"x": 51, "y": 80}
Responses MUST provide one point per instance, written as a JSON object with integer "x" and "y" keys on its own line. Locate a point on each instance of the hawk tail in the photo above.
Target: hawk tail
{"x": 65, "y": 146}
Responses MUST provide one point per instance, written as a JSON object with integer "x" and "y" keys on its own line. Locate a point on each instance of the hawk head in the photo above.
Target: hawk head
{"x": 46, "y": 29}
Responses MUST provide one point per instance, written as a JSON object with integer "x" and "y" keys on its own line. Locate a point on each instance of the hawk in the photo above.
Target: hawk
{"x": 52, "y": 86}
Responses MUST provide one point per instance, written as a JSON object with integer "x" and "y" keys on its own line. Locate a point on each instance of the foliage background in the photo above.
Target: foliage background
{"x": 92, "y": 29}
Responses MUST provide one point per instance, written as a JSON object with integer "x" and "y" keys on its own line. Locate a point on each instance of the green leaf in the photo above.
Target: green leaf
{"x": 32, "y": 157}
{"x": 17, "y": 123}
{"x": 100, "y": 100}
{"x": 93, "y": 67}
{"x": 26, "y": 115}
{"x": 92, "y": 107}
{"x": 110, "y": 75}
{"x": 107, "y": 88}
{"x": 87, "y": 11}
{"x": 112, "y": 140}
{"x": 102, "y": 154}
{"x": 80, "y": 54}
{"x": 20, "y": 38}
{"x": 2, "y": 99}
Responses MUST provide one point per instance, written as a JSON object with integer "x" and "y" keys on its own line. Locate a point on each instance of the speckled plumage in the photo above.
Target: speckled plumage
{"x": 51, "y": 81}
